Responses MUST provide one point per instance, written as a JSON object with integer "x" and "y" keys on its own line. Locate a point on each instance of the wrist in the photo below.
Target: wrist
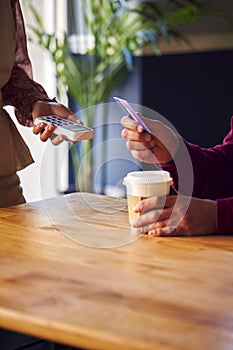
{"x": 177, "y": 146}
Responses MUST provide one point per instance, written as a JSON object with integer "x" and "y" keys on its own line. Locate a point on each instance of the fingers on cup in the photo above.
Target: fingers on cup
{"x": 165, "y": 231}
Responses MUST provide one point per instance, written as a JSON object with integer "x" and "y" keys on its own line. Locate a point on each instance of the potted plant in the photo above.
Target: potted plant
{"x": 92, "y": 62}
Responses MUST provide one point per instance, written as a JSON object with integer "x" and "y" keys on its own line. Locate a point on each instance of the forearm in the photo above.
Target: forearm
{"x": 21, "y": 92}
{"x": 212, "y": 172}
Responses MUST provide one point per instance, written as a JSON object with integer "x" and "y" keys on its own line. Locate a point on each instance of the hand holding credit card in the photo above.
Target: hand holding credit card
{"x": 132, "y": 113}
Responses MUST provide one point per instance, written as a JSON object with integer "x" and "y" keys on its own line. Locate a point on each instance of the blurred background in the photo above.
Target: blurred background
{"x": 188, "y": 83}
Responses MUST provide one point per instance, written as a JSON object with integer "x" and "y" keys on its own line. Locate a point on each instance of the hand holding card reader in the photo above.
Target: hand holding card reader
{"x": 71, "y": 129}
{"x": 132, "y": 113}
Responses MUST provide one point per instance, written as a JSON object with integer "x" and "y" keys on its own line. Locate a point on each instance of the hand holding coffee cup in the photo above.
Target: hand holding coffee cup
{"x": 144, "y": 184}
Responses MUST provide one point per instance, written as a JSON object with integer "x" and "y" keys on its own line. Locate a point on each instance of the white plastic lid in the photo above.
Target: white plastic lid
{"x": 148, "y": 177}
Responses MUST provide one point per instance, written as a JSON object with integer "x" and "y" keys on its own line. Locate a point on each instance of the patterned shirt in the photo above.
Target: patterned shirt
{"x": 21, "y": 91}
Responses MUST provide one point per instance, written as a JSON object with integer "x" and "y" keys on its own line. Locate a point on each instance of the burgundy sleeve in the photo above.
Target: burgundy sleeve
{"x": 213, "y": 177}
{"x": 212, "y": 168}
{"x": 225, "y": 216}
{"x": 21, "y": 91}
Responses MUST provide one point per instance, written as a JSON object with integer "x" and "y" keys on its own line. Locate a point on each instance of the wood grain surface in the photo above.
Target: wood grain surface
{"x": 152, "y": 293}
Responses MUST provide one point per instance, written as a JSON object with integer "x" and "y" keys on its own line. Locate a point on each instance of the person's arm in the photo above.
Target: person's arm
{"x": 29, "y": 98}
{"x": 212, "y": 168}
{"x": 184, "y": 216}
{"x": 21, "y": 91}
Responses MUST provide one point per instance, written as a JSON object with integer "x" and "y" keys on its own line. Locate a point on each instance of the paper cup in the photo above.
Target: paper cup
{"x": 144, "y": 184}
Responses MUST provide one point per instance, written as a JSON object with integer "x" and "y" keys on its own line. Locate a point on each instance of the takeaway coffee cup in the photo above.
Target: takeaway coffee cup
{"x": 144, "y": 184}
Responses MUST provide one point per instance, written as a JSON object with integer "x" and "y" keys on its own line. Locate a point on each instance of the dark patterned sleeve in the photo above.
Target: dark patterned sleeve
{"x": 21, "y": 91}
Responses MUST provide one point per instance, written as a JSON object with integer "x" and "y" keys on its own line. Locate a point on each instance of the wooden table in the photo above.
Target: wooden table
{"x": 153, "y": 293}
